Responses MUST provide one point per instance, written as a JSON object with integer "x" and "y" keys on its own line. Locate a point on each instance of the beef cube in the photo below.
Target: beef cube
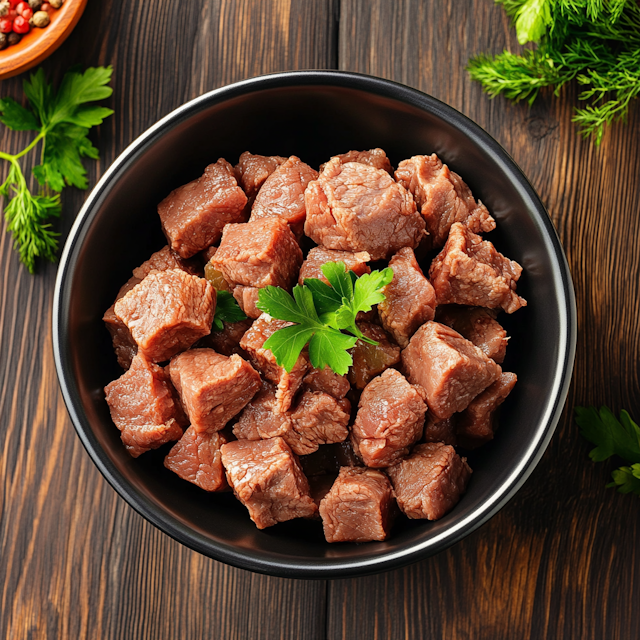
{"x": 374, "y": 157}
{"x": 287, "y": 382}
{"x": 370, "y": 360}
{"x": 196, "y": 458}
{"x": 252, "y": 170}
{"x": 359, "y": 507}
{"x": 442, "y": 197}
{"x": 312, "y": 266}
{"x": 409, "y": 298}
{"x": 470, "y": 271}
{"x": 389, "y": 420}
{"x": 167, "y": 312}
{"x": 436, "y": 430}
{"x": 227, "y": 341}
{"x": 123, "y": 343}
{"x": 260, "y": 253}
{"x": 317, "y": 419}
{"x": 477, "y": 325}
{"x": 452, "y": 370}
{"x": 266, "y": 477}
{"x": 329, "y": 458}
{"x": 355, "y": 207}
{"x": 327, "y": 381}
{"x": 430, "y": 482}
{"x": 194, "y": 214}
{"x": 142, "y": 406}
{"x": 247, "y": 299}
{"x": 282, "y": 194}
{"x": 260, "y": 418}
{"x": 212, "y": 387}
{"x": 166, "y": 259}
{"x": 476, "y": 425}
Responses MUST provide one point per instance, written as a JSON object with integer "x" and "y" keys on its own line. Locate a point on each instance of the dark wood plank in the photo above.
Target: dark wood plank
{"x": 561, "y": 560}
{"x": 75, "y": 560}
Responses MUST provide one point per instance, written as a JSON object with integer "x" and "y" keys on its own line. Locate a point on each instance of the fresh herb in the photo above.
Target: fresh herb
{"x": 62, "y": 120}
{"x": 227, "y": 310}
{"x": 596, "y": 42}
{"x": 320, "y": 314}
{"x": 613, "y": 437}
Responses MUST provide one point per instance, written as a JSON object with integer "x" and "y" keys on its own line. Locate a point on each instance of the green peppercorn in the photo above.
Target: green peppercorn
{"x": 41, "y": 19}
{"x": 56, "y": 4}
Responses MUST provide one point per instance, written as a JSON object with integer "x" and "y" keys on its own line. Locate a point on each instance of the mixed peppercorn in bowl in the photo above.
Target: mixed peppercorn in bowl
{"x": 320, "y": 332}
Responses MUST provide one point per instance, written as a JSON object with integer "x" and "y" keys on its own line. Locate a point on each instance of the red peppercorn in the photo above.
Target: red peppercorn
{"x": 13, "y": 3}
{"x": 27, "y": 13}
{"x": 6, "y": 25}
{"x": 20, "y": 25}
{"x": 45, "y": 6}
{"x": 20, "y": 7}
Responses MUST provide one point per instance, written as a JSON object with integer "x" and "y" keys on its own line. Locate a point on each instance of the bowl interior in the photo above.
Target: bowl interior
{"x": 313, "y": 119}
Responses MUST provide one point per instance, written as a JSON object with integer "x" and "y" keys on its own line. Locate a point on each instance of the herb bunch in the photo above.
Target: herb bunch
{"x": 62, "y": 121}
{"x": 321, "y": 313}
{"x": 596, "y": 42}
{"x": 613, "y": 437}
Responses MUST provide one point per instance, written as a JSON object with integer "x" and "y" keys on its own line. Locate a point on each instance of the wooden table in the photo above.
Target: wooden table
{"x": 562, "y": 560}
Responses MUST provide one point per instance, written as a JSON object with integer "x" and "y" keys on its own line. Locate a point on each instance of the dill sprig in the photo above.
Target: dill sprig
{"x": 595, "y": 42}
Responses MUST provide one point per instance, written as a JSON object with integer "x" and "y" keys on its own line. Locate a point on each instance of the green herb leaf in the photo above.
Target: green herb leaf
{"x": 627, "y": 479}
{"x": 612, "y": 436}
{"x": 532, "y": 20}
{"x": 227, "y": 310}
{"x": 16, "y": 117}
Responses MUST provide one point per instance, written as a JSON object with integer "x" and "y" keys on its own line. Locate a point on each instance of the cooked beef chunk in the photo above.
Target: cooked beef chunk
{"x": 476, "y": 425}
{"x": 196, "y": 458}
{"x": 409, "y": 298}
{"x": 312, "y": 266}
{"x": 369, "y": 360}
{"x": 443, "y": 197}
{"x": 260, "y": 418}
{"x": 194, "y": 215}
{"x": 359, "y": 506}
{"x": 429, "y": 483}
{"x": 282, "y": 194}
{"x": 142, "y": 406}
{"x": 247, "y": 299}
{"x": 477, "y": 325}
{"x": 470, "y": 271}
{"x": 123, "y": 343}
{"x": 266, "y": 477}
{"x": 452, "y": 370}
{"x": 436, "y": 430}
{"x": 329, "y": 458}
{"x": 227, "y": 341}
{"x": 389, "y": 420}
{"x": 374, "y": 157}
{"x": 355, "y": 207}
{"x": 265, "y": 362}
{"x": 167, "y": 312}
{"x": 252, "y": 170}
{"x": 258, "y": 253}
{"x": 165, "y": 259}
{"x": 327, "y": 381}
{"x": 318, "y": 418}
{"x": 212, "y": 387}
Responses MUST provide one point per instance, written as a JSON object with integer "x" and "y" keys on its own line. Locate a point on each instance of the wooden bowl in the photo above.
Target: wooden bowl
{"x": 38, "y": 44}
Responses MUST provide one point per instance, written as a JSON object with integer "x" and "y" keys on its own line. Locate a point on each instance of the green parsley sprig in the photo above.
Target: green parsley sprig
{"x": 227, "y": 310}
{"x": 613, "y": 437}
{"x": 596, "y": 42}
{"x": 320, "y": 313}
{"x": 62, "y": 120}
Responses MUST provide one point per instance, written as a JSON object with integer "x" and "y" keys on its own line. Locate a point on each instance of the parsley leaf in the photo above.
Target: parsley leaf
{"x": 327, "y": 345}
{"x": 611, "y": 436}
{"x": 627, "y": 479}
{"x": 227, "y": 310}
{"x": 16, "y": 117}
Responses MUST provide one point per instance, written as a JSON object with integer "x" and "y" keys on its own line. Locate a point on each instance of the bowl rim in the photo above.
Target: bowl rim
{"x": 321, "y": 568}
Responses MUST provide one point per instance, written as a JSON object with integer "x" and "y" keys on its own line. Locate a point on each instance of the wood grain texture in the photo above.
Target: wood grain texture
{"x": 561, "y": 560}
{"x": 75, "y": 560}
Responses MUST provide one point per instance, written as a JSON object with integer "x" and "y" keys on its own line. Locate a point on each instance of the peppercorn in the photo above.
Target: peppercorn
{"x": 4, "y": 8}
{"x": 6, "y": 25}
{"x": 35, "y": 5}
{"x": 3, "y": 41}
{"x": 13, "y": 38}
{"x": 41, "y": 19}
{"x": 56, "y": 4}
{"x": 20, "y": 25}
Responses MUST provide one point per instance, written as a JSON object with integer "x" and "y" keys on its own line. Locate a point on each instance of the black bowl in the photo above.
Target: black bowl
{"x": 312, "y": 114}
